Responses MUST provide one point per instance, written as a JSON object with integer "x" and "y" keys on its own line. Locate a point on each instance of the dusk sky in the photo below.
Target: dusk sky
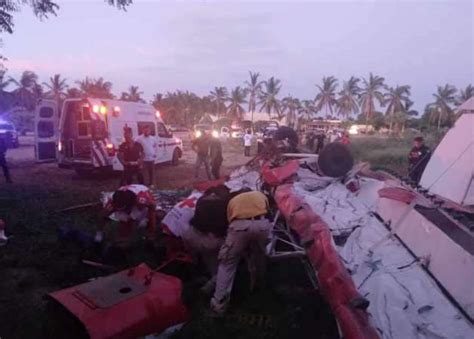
{"x": 162, "y": 46}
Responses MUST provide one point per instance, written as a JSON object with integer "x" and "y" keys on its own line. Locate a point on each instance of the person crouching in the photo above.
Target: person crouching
{"x": 133, "y": 206}
{"x": 247, "y": 235}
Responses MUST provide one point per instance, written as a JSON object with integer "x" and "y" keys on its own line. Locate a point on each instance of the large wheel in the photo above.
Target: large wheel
{"x": 176, "y": 157}
{"x": 335, "y": 160}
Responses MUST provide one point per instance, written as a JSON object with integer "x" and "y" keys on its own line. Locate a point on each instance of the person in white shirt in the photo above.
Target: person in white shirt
{"x": 150, "y": 146}
{"x": 247, "y": 143}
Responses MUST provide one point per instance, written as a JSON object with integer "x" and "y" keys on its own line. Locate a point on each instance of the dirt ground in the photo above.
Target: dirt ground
{"x": 35, "y": 262}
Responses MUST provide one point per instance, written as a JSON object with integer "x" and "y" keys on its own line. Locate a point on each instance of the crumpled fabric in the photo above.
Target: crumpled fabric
{"x": 404, "y": 301}
{"x": 243, "y": 178}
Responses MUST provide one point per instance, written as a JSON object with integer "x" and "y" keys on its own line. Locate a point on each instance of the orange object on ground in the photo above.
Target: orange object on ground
{"x": 128, "y": 304}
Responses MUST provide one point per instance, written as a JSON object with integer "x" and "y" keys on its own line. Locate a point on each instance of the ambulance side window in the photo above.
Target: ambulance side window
{"x": 142, "y": 124}
{"x": 162, "y": 132}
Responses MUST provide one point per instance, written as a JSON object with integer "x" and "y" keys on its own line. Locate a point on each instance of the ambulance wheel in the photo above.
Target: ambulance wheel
{"x": 176, "y": 156}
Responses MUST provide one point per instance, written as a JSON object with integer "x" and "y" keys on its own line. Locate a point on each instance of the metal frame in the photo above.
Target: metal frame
{"x": 281, "y": 232}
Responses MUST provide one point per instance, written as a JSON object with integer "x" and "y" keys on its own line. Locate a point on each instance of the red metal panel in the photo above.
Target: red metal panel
{"x": 335, "y": 282}
{"x": 278, "y": 175}
{"x": 150, "y": 312}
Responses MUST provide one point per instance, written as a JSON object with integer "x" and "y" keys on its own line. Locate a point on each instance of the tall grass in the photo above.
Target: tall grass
{"x": 388, "y": 152}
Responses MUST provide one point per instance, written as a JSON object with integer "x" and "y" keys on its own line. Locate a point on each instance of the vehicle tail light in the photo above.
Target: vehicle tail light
{"x": 110, "y": 149}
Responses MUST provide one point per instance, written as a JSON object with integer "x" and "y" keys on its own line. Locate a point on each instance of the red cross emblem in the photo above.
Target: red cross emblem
{"x": 190, "y": 202}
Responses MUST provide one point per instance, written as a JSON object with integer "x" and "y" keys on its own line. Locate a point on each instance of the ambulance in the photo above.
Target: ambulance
{"x": 86, "y": 134}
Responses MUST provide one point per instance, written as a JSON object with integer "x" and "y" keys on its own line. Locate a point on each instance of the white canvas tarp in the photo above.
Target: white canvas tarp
{"x": 404, "y": 301}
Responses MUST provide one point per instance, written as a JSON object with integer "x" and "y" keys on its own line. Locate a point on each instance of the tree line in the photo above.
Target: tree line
{"x": 357, "y": 98}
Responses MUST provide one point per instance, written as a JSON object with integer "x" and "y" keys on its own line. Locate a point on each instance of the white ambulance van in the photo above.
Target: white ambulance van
{"x": 87, "y": 133}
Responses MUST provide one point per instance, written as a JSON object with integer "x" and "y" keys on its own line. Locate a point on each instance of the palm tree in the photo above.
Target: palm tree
{"x": 28, "y": 91}
{"x": 268, "y": 96}
{"x": 326, "y": 98}
{"x": 307, "y": 108}
{"x": 398, "y": 101}
{"x": 133, "y": 95}
{"x": 254, "y": 87}
{"x": 348, "y": 98}
{"x": 73, "y": 93}
{"x": 291, "y": 106}
{"x": 4, "y": 82}
{"x": 465, "y": 95}
{"x": 219, "y": 96}
{"x": 56, "y": 89}
{"x": 445, "y": 96}
{"x": 96, "y": 88}
{"x": 371, "y": 93}
{"x": 237, "y": 99}
{"x": 7, "y": 99}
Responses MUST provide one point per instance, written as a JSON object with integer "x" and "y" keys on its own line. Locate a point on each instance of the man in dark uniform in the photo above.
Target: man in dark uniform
{"x": 216, "y": 157}
{"x": 418, "y": 159}
{"x": 320, "y": 141}
{"x": 130, "y": 155}
{"x": 201, "y": 147}
{"x": 3, "y": 161}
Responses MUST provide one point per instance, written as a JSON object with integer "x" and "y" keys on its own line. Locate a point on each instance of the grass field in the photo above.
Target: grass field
{"x": 387, "y": 152}
{"x": 35, "y": 262}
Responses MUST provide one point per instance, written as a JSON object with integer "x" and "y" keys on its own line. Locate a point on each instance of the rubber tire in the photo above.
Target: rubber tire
{"x": 176, "y": 157}
{"x": 335, "y": 160}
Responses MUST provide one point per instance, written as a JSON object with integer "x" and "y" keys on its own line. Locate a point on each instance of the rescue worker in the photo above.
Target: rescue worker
{"x": 199, "y": 225}
{"x": 3, "y": 160}
{"x": 247, "y": 143}
{"x": 133, "y": 206}
{"x": 418, "y": 159}
{"x": 130, "y": 154}
{"x": 216, "y": 157}
{"x": 201, "y": 147}
{"x": 320, "y": 141}
{"x": 247, "y": 235}
{"x": 150, "y": 147}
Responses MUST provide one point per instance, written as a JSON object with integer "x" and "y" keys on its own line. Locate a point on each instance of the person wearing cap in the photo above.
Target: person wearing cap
{"x": 418, "y": 159}
{"x": 247, "y": 235}
{"x": 132, "y": 206}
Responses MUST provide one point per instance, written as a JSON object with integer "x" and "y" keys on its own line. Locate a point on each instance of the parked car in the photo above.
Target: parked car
{"x": 200, "y": 129}
{"x": 177, "y": 128}
{"x": 9, "y": 132}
